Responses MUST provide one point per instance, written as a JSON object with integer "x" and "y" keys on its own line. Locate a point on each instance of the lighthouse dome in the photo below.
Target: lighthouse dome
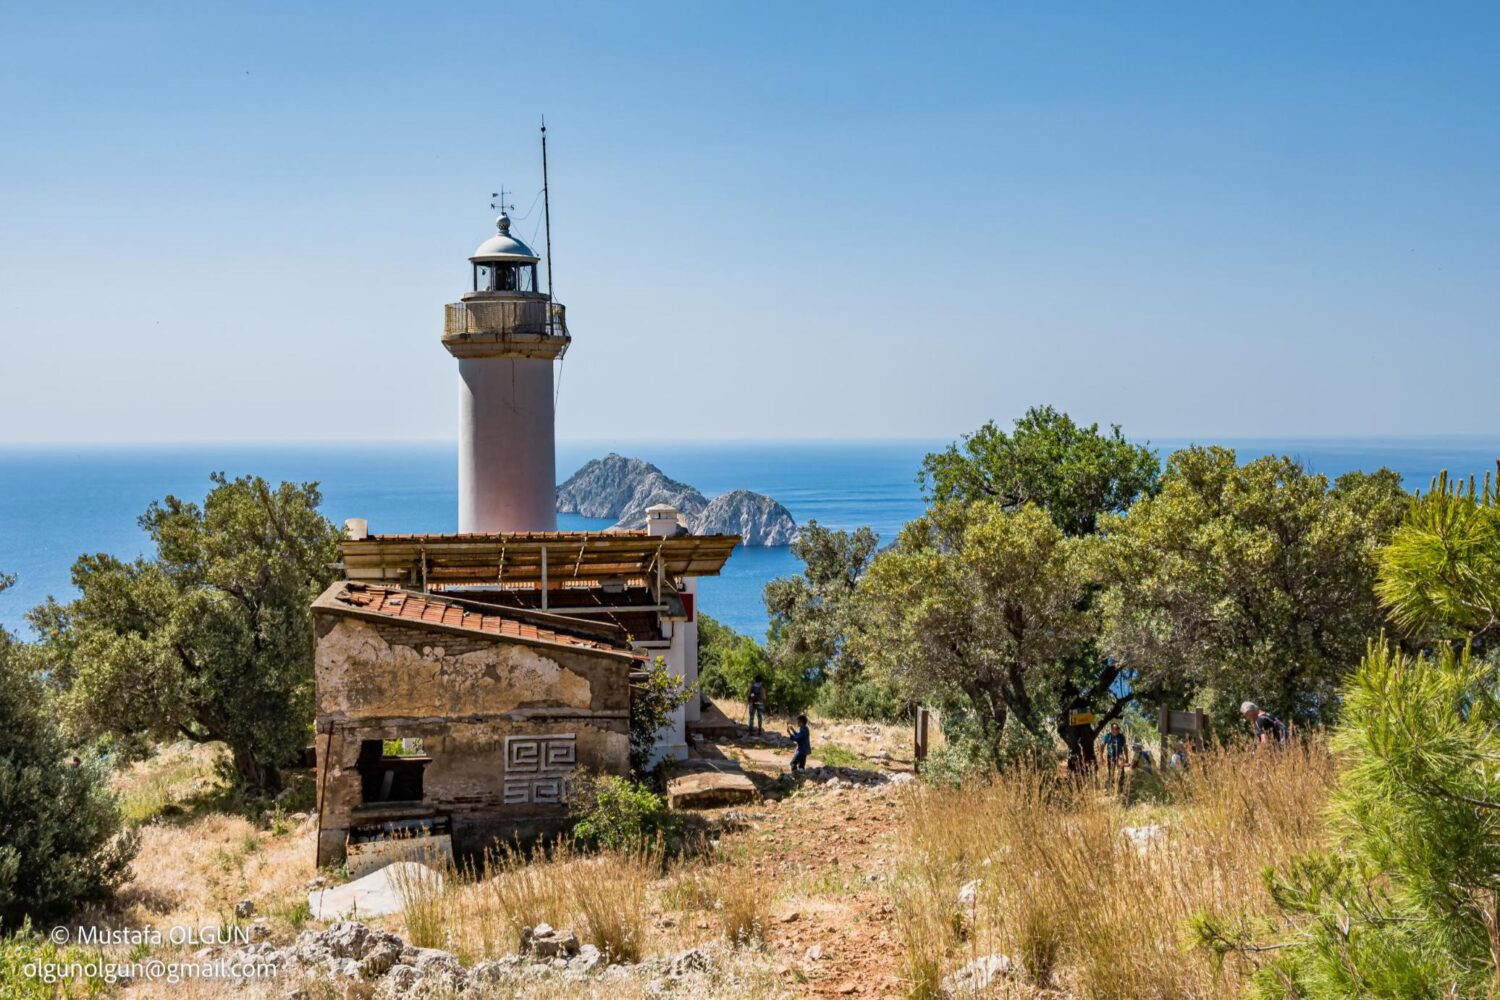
{"x": 503, "y": 246}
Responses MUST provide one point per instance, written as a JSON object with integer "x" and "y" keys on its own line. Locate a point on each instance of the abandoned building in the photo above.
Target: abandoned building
{"x": 463, "y": 680}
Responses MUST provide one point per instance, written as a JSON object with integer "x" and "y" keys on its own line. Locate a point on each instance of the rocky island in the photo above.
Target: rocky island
{"x": 622, "y": 488}
{"x": 755, "y": 517}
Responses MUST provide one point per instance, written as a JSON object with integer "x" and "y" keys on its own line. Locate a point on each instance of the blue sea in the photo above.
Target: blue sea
{"x": 59, "y": 501}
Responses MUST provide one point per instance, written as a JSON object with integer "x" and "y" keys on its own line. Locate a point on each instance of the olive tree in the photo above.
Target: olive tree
{"x": 811, "y": 615}
{"x": 212, "y": 638}
{"x": 983, "y": 602}
{"x": 1252, "y": 581}
{"x": 1075, "y": 475}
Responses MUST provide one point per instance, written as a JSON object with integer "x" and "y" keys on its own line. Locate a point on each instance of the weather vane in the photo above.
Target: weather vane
{"x": 499, "y": 200}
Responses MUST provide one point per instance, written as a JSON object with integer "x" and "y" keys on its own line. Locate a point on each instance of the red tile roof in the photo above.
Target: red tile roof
{"x": 436, "y": 611}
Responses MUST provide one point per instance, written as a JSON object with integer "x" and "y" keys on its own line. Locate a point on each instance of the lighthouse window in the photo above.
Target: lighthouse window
{"x": 504, "y": 277}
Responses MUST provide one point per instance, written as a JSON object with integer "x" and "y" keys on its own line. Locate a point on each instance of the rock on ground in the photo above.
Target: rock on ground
{"x": 975, "y": 977}
{"x": 545, "y": 942}
{"x": 349, "y": 952}
{"x": 1145, "y": 837}
{"x": 372, "y": 896}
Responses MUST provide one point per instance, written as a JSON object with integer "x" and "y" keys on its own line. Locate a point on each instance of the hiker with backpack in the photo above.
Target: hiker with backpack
{"x": 1268, "y": 729}
{"x": 757, "y": 701}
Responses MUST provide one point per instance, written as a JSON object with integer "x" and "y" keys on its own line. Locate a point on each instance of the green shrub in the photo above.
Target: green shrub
{"x": 617, "y": 814}
{"x": 730, "y": 662}
{"x": 955, "y": 762}
{"x": 833, "y": 755}
{"x": 973, "y": 747}
{"x": 61, "y": 840}
{"x": 866, "y": 698}
{"x": 26, "y": 957}
{"x": 653, "y": 699}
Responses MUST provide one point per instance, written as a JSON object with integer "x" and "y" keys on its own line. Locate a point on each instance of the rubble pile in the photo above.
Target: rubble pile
{"x": 352, "y": 951}
{"x": 854, "y": 777}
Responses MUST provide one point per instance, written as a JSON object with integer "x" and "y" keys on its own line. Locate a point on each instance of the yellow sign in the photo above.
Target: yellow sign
{"x": 1080, "y": 718}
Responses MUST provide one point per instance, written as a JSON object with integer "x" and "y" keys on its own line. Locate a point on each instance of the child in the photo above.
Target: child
{"x": 803, "y": 740}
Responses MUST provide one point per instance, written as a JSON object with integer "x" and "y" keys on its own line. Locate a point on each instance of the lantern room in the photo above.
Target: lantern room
{"x": 503, "y": 264}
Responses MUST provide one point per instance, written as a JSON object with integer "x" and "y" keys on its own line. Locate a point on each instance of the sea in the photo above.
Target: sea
{"x": 60, "y": 501}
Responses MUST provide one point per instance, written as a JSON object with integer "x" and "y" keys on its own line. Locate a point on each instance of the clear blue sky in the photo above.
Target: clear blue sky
{"x": 241, "y": 221}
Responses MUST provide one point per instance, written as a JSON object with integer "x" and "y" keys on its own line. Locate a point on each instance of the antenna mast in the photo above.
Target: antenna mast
{"x": 547, "y": 217}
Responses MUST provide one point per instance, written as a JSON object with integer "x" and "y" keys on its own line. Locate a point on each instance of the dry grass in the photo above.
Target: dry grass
{"x": 1077, "y": 903}
{"x": 610, "y": 900}
{"x": 743, "y": 905}
{"x": 424, "y": 902}
{"x": 610, "y": 896}
{"x": 479, "y": 913}
{"x": 193, "y": 869}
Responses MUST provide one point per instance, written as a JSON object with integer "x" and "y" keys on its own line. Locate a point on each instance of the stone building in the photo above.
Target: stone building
{"x": 463, "y": 680}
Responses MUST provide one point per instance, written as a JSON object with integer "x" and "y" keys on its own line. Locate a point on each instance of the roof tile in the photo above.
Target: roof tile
{"x": 428, "y": 608}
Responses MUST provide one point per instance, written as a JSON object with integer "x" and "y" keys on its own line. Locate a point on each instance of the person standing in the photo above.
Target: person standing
{"x": 757, "y": 700}
{"x": 803, "y": 739}
{"x": 1268, "y": 730}
{"x": 1179, "y": 759}
{"x": 1114, "y": 746}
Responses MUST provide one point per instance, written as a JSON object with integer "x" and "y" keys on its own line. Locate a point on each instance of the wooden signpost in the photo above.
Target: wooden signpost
{"x": 1191, "y": 724}
{"x": 922, "y": 720}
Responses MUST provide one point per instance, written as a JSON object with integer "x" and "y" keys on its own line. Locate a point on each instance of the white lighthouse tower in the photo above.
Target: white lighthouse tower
{"x": 506, "y": 334}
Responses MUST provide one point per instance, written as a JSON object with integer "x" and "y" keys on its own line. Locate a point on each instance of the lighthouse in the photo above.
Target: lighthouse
{"x": 506, "y": 334}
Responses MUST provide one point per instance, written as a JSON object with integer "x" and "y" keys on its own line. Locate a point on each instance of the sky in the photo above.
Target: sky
{"x": 240, "y": 222}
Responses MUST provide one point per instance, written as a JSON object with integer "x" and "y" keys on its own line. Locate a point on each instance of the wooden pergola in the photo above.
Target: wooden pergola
{"x": 535, "y": 560}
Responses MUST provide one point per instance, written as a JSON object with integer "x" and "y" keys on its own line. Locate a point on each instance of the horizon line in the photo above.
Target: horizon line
{"x": 1145, "y": 439}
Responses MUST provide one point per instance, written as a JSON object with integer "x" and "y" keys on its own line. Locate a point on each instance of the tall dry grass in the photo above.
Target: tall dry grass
{"x": 742, "y": 904}
{"x": 479, "y": 911}
{"x": 1078, "y": 903}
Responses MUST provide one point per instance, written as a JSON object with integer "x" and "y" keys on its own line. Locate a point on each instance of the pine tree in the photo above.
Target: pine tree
{"x": 1405, "y": 903}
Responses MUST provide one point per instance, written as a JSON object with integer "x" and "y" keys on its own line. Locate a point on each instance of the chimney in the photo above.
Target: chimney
{"x": 356, "y": 529}
{"x": 661, "y": 520}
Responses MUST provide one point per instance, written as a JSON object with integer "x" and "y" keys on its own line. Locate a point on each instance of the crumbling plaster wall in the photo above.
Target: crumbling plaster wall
{"x": 371, "y": 670}
{"x": 463, "y": 696}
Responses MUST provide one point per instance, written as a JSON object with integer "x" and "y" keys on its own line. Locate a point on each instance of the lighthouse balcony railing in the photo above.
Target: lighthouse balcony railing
{"x": 528, "y": 316}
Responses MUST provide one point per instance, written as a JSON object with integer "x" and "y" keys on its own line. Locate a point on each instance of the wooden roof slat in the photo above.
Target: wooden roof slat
{"x": 516, "y": 557}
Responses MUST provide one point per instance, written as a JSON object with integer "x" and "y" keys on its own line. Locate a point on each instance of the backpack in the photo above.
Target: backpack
{"x": 1278, "y": 728}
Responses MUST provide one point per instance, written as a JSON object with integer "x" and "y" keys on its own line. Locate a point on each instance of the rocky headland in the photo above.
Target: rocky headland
{"x": 623, "y": 488}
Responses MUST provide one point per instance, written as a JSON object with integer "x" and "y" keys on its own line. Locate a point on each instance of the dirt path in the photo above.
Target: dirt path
{"x": 826, "y": 853}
